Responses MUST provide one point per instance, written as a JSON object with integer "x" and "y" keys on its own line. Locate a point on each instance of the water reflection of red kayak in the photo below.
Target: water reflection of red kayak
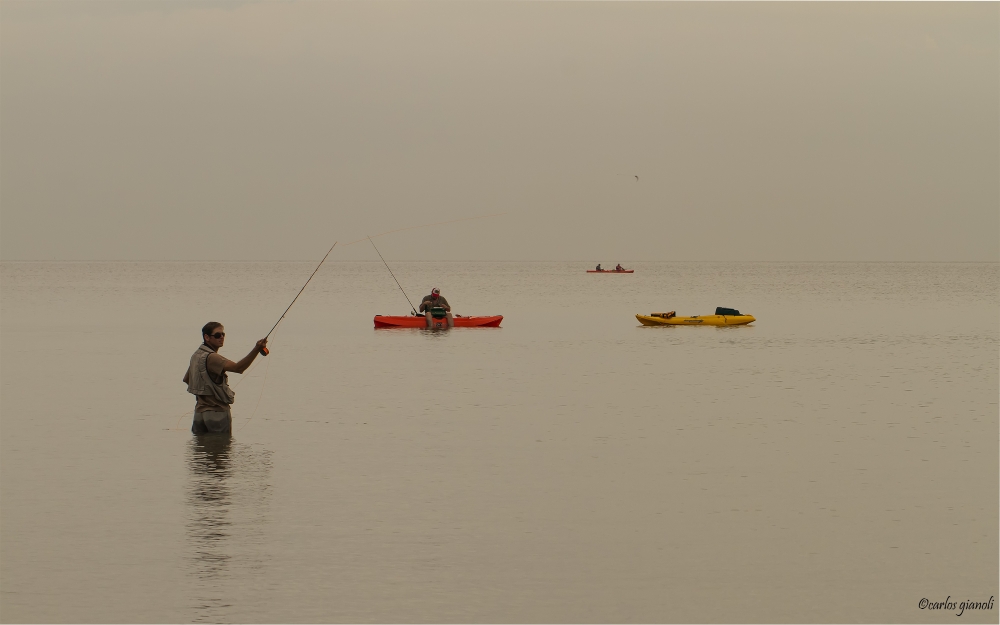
{"x": 610, "y": 271}
{"x": 410, "y": 321}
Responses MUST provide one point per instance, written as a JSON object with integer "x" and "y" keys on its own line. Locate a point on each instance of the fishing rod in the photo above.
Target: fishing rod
{"x": 393, "y": 276}
{"x": 263, "y": 350}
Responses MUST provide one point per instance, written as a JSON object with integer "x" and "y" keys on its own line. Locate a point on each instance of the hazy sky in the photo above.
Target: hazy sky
{"x": 267, "y": 130}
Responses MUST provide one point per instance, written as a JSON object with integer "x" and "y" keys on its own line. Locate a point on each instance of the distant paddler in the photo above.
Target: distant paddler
{"x": 436, "y": 301}
{"x": 207, "y": 380}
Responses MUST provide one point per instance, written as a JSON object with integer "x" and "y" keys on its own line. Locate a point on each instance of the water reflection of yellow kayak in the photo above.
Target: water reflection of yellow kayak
{"x": 661, "y": 319}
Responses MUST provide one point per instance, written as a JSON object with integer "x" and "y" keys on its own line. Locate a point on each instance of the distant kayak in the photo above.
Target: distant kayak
{"x": 703, "y": 320}
{"x": 723, "y": 317}
{"x": 411, "y": 321}
{"x": 611, "y": 271}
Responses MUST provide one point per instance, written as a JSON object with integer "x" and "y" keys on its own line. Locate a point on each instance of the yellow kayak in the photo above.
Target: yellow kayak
{"x": 669, "y": 319}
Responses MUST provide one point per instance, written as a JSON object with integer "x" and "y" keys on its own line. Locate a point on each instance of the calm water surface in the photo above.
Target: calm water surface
{"x": 835, "y": 461}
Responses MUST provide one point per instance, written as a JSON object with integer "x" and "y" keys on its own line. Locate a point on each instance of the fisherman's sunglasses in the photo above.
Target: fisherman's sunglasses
{"x": 218, "y": 335}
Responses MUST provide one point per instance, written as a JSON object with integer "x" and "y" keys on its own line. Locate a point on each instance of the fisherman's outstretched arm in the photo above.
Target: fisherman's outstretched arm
{"x": 241, "y": 366}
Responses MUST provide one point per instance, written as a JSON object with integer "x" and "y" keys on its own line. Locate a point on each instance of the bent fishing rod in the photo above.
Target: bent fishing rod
{"x": 263, "y": 350}
{"x": 393, "y": 276}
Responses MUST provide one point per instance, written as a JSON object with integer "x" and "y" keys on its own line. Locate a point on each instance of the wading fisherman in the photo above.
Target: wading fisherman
{"x": 207, "y": 380}
{"x": 435, "y": 300}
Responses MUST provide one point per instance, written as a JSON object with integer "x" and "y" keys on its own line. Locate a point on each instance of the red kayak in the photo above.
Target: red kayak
{"x": 410, "y": 321}
{"x": 610, "y": 271}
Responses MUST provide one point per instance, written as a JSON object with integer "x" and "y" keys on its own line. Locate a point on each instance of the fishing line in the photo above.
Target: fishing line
{"x": 393, "y": 275}
{"x": 262, "y": 384}
{"x": 177, "y": 426}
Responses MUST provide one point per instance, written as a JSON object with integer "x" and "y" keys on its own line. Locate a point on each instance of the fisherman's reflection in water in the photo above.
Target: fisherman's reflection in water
{"x": 228, "y": 495}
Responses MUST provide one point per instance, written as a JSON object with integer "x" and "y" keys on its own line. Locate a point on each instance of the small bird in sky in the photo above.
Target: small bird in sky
{"x": 637, "y": 178}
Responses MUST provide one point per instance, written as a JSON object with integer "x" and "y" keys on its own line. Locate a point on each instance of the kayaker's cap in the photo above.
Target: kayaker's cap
{"x": 435, "y": 291}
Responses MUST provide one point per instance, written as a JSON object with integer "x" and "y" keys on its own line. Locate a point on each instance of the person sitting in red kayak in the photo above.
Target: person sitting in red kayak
{"x": 599, "y": 267}
{"x": 619, "y": 267}
{"x": 432, "y": 301}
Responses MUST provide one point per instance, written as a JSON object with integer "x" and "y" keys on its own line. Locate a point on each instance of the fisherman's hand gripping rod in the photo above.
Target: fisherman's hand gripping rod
{"x": 263, "y": 350}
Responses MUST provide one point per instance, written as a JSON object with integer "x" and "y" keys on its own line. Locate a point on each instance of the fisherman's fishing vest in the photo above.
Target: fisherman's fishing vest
{"x": 200, "y": 380}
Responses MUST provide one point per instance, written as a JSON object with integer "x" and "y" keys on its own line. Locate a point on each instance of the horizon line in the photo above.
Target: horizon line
{"x": 474, "y": 261}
